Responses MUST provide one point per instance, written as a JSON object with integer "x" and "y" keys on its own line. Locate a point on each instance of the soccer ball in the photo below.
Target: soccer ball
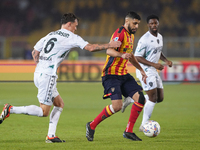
{"x": 151, "y": 128}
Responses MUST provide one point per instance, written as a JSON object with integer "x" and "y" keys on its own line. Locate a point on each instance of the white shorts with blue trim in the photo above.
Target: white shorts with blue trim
{"x": 46, "y": 85}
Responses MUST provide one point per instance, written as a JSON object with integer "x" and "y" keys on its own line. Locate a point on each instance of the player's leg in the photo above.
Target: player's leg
{"x": 132, "y": 89}
{"x": 151, "y": 89}
{"x": 55, "y": 113}
{"x": 127, "y": 101}
{"x": 160, "y": 91}
{"x": 34, "y": 110}
{"x": 149, "y": 106}
{"x": 160, "y": 95}
{"x": 27, "y": 110}
{"x": 54, "y": 118}
{"x": 111, "y": 90}
{"x": 105, "y": 113}
{"x": 135, "y": 112}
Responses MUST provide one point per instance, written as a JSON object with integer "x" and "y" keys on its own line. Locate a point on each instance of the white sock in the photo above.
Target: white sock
{"x": 54, "y": 117}
{"x": 132, "y": 101}
{"x": 28, "y": 110}
{"x": 147, "y": 110}
{"x": 111, "y": 108}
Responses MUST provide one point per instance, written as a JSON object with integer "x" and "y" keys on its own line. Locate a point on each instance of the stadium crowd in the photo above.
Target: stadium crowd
{"x": 23, "y": 17}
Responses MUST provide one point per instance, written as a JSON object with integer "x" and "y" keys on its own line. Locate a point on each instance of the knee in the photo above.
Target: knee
{"x": 58, "y": 101}
{"x": 117, "y": 107}
{"x": 141, "y": 99}
{"x": 45, "y": 113}
{"x": 61, "y": 104}
{"x": 154, "y": 98}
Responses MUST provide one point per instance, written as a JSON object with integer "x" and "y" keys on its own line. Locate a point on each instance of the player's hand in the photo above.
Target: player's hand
{"x": 144, "y": 76}
{"x": 126, "y": 56}
{"x": 114, "y": 44}
{"x": 158, "y": 66}
{"x": 169, "y": 63}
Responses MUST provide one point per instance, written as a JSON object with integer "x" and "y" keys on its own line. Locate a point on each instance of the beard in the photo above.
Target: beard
{"x": 154, "y": 31}
{"x": 130, "y": 30}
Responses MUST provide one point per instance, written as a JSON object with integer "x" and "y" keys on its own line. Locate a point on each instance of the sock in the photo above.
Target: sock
{"x": 28, "y": 110}
{"x": 54, "y": 117}
{"x": 148, "y": 109}
{"x": 135, "y": 112}
{"x": 132, "y": 101}
{"x": 106, "y": 112}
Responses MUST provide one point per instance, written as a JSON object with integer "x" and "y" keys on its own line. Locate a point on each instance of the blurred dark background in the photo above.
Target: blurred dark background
{"x": 24, "y": 22}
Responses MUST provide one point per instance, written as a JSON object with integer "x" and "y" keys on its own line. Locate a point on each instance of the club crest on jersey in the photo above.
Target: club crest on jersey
{"x": 155, "y": 51}
{"x": 151, "y": 84}
{"x": 113, "y": 89}
{"x": 116, "y": 38}
{"x": 158, "y": 41}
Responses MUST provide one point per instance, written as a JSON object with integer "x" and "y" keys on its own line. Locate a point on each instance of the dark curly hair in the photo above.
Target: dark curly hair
{"x": 152, "y": 17}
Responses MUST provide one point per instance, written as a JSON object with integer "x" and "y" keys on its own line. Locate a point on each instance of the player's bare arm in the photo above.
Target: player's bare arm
{"x": 135, "y": 63}
{"x": 163, "y": 58}
{"x": 35, "y": 55}
{"x": 148, "y": 63}
{"x": 98, "y": 47}
{"x": 113, "y": 53}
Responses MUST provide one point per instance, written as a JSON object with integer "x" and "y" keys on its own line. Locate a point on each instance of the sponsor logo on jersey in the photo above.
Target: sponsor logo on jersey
{"x": 116, "y": 38}
{"x": 45, "y": 58}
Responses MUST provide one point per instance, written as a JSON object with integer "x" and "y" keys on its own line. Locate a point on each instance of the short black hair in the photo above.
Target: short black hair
{"x": 152, "y": 17}
{"x": 68, "y": 17}
{"x": 133, "y": 15}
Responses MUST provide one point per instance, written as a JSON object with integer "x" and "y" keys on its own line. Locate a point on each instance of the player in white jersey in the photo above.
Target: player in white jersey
{"x": 148, "y": 53}
{"x": 48, "y": 53}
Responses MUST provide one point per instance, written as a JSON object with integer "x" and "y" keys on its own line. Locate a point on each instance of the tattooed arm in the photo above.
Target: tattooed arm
{"x": 35, "y": 55}
{"x": 98, "y": 47}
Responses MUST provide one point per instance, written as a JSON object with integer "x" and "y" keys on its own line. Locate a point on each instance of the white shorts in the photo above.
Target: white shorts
{"x": 153, "y": 81}
{"x": 46, "y": 85}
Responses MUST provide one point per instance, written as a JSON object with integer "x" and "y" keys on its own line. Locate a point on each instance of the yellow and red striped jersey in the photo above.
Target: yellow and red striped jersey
{"x": 118, "y": 65}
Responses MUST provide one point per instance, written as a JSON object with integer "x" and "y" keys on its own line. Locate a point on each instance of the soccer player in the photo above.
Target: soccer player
{"x": 117, "y": 81}
{"x": 148, "y": 52}
{"x": 48, "y": 53}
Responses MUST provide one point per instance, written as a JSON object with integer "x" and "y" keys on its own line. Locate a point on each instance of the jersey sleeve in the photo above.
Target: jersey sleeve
{"x": 118, "y": 36}
{"x": 140, "y": 49}
{"x": 80, "y": 42}
{"x": 39, "y": 45}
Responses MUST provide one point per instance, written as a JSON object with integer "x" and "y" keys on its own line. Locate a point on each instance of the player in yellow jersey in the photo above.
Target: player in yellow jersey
{"x": 117, "y": 81}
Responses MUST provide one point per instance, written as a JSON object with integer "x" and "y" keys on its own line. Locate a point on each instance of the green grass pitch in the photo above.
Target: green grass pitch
{"x": 178, "y": 116}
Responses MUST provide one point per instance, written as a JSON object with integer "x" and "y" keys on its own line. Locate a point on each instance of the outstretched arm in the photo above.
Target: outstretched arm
{"x": 113, "y": 53}
{"x": 98, "y": 47}
{"x": 35, "y": 55}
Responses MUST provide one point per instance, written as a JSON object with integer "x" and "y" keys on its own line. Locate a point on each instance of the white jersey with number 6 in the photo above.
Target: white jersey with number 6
{"x": 53, "y": 49}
